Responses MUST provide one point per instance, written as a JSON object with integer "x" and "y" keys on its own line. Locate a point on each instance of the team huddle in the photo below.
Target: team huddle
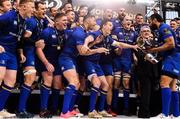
{"x": 79, "y": 47}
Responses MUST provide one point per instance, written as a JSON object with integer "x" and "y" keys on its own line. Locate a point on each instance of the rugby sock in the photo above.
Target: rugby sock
{"x": 126, "y": 98}
{"x": 79, "y": 97}
{"x": 102, "y": 100}
{"x": 44, "y": 96}
{"x": 73, "y": 100}
{"x": 5, "y": 91}
{"x": 115, "y": 98}
{"x": 24, "y": 94}
{"x": 175, "y": 103}
{"x": 166, "y": 99}
{"x": 93, "y": 95}
{"x": 55, "y": 99}
{"x": 67, "y": 98}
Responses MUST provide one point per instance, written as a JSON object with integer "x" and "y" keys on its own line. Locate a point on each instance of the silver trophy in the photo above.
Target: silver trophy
{"x": 145, "y": 44}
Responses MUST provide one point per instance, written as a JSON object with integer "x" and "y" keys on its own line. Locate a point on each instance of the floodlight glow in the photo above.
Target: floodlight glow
{"x": 145, "y": 1}
{"x": 121, "y": 1}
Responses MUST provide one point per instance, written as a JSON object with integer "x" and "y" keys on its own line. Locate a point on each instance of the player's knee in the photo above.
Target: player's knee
{"x": 10, "y": 83}
{"x": 75, "y": 82}
{"x": 164, "y": 84}
{"x": 105, "y": 85}
{"x": 110, "y": 86}
{"x": 48, "y": 82}
{"x": 95, "y": 81}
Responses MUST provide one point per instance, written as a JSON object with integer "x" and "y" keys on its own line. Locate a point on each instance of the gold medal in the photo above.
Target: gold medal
{"x": 58, "y": 47}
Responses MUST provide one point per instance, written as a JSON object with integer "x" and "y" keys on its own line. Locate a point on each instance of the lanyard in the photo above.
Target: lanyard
{"x": 83, "y": 27}
{"x": 39, "y": 26}
{"x": 21, "y": 27}
{"x": 105, "y": 42}
{"x": 59, "y": 39}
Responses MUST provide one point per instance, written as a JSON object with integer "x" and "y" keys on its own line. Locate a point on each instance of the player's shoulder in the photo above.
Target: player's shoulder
{"x": 178, "y": 29}
{"x": 164, "y": 26}
{"x": 78, "y": 31}
{"x": 31, "y": 20}
{"x": 49, "y": 30}
{"x": 10, "y": 14}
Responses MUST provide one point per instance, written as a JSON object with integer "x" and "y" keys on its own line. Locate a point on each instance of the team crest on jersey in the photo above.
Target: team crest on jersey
{"x": 93, "y": 70}
{"x": 15, "y": 22}
{"x": 32, "y": 63}
{"x": 120, "y": 33}
{"x": 2, "y": 61}
{"x": 62, "y": 68}
{"x": 132, "y": 34}
{"x": 66, "y": 36}
{"x": 53, "y": 36}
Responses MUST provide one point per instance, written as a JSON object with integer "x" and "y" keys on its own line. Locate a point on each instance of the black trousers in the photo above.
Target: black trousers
{"x": 145, "y": 92}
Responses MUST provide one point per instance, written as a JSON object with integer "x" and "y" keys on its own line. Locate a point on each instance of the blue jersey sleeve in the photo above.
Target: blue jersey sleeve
{"x": 45, "y": 23}
{"x": 165, "y": 33}
{"x": 78, "y": 37}
{"x": 5, "y": 19}
{"x": 99, "y": 22}
{"x": 111, "y": 40}
{"x": 45, "y": 35}
{"x": 30, "y": 25}
{"x": 115, "y": 34}
{"x": 95, "y": 34}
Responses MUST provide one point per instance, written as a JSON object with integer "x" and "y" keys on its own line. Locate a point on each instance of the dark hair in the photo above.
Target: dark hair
{"x": 82, "y": 6}
{"x": 88, "y": 16}
{"x": 37, "y": 4}
{"x": 59, "y": 15}
{"x": 177, "y": 18}
{"x": 104, "y": 22}
{"x": 66, "y": 4}
{"x": 156, "y": 16}
{"x": 138, "y": 14}
{"x": 25, "y": 1}
{"x": 173, "y": 20}
{"x": 50, "y": 9}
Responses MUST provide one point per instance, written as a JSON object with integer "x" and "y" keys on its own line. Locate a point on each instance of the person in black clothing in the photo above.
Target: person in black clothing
{"x": 146, "y": 71}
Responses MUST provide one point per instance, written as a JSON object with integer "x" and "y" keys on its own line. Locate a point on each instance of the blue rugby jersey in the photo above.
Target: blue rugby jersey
{"x": 165, "y": 31}
{"x": 54, "y": 41}
{"x": 11, "y": 27}
{"x": 76, "y": 37}
{"x": 125, "y": 36}
{"x": 106, "y": 43}
{"x": 35, "y": 26}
